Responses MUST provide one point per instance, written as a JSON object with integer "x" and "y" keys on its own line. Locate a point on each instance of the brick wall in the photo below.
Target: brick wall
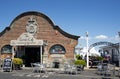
{"x": 45, "y": 31}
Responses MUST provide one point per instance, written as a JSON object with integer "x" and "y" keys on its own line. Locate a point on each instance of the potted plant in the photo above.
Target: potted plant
{"x": 17, "y": 63}
{"x": 78, "y": 57}
{"x": 100, "y": 58}
{"x": 80, "y": 63}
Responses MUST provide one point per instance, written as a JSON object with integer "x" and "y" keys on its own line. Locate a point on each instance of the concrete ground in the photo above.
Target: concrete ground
{"x": 90, "y": 73}
{"x": 27, "y": 73}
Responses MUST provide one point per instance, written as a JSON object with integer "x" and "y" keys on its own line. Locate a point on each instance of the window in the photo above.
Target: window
{"x": 57, "y": 49}
{"x": 6, "y": 49}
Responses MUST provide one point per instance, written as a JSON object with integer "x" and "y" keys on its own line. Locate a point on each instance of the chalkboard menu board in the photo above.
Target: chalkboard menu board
{"x": 7, "y": 64}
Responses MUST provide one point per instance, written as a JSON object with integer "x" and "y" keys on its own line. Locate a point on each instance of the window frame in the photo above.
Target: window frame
{"x": 8, "y": 49}
{"x": 56, "y": 49}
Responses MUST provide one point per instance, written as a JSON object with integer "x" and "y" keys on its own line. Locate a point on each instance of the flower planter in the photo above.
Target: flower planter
{"x": 17, "y": 63}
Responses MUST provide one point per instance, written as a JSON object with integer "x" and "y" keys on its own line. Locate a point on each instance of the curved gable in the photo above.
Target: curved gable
{"x": 33, "y": 13}
{"x": 44, "y": 16}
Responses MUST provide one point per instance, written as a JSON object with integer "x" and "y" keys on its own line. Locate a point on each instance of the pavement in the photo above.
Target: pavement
{"x": 91, "y": 73}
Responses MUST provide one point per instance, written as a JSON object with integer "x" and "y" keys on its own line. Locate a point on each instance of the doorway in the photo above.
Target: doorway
{"x": 56, "y": 64}
{"x": 32, "y": 55}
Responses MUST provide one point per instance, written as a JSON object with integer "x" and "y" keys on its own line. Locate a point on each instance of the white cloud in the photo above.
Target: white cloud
{"x": 113, "y": 39}
{"x": 82, "y": 37}
{"x": 93, "y": 51}
{"x": 101, "y": 37}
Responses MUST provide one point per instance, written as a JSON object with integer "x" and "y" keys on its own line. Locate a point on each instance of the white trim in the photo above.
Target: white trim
{"x": 26, "y": 39}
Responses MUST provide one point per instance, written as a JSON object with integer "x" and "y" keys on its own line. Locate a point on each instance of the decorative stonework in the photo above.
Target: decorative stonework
{"x": 26, "y": 37}
{"x": 31, "y": 26}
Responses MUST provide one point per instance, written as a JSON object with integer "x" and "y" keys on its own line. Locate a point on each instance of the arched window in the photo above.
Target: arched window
{"x": 6, "y": 49}
{"x": 57, "y": 49}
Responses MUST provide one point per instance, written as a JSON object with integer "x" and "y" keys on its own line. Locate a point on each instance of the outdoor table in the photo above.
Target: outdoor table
{"x": 70, "y": 69}
{"x": 37, "y": 67}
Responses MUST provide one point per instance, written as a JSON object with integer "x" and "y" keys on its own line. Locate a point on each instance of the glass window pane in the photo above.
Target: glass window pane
{"x": 57, "y": 49}
{"x": 6, "y": 49}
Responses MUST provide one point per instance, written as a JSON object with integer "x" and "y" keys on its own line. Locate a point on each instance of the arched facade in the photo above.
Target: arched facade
{"x": 32, "y": 34}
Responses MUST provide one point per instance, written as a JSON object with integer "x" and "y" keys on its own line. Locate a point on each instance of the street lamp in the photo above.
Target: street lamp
{"x": 119, "y": 48}
{"x": 87, "y": 50}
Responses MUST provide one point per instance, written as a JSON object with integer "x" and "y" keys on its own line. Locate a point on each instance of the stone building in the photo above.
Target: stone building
{"x": 33, "y": 37}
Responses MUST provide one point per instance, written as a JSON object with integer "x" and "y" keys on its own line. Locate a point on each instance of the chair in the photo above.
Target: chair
{"x": 42, "y": 68}
{"x": 67, "y": 68}
{"x": 109, "y": 70}
{"x": 35, "y": 67}
{"x": 99, "y": 68}
{"x": 74, "y": 69}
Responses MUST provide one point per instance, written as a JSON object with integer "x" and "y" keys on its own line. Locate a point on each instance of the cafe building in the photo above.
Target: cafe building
{"x": 33, "y": 37}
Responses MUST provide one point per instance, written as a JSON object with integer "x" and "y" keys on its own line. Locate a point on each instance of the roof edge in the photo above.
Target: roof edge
{"x": 65, "y": 33}
{"x": 5, "y": 30}
{"x": 32, "y": 13}
{"x": 24, "y": 14}
{"x": 44, "y": 16}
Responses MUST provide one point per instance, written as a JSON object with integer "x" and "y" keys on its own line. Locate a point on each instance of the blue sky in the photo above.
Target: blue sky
{"x": 101, "y": 18}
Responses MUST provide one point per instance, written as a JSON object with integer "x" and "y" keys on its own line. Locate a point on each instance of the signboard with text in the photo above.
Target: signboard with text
{"x": 7, "y": 64}
{"x": 26, "y": 39}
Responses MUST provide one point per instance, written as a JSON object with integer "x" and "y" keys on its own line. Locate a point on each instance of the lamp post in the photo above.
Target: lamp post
{"x": 87, "y": 49}
{"x": 119, "y": 48}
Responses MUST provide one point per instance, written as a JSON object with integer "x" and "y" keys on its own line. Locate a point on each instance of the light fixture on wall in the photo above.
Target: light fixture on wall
{"x": 56, "y": 32}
